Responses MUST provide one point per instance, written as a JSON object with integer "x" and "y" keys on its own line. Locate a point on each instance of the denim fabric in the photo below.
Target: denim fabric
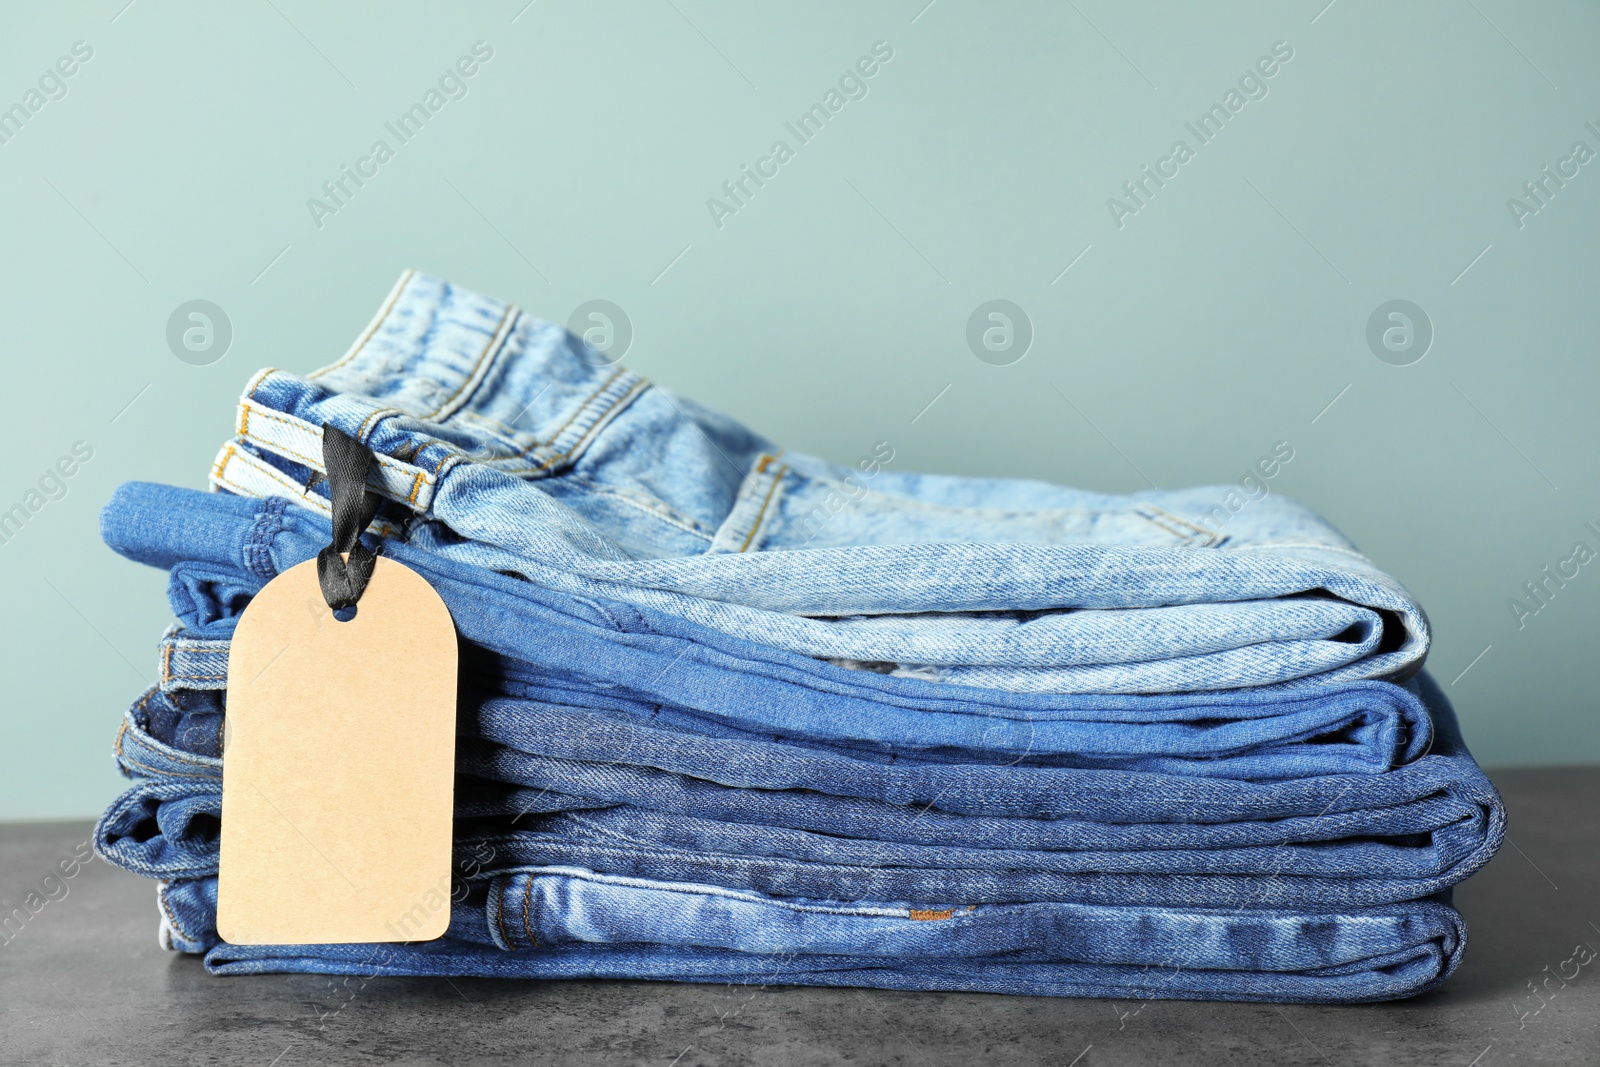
{"x": 1348, "y": 728}
{"x": 1360, "y": 727}
{"x": 630, "y": 798}
{"x": 499, "y": 781}
{"x": 504, "y": 445}
{"x": 563, "y": 649}
{"x": 655, "y": 789}
{"x": 731, "y": 714}
{"x": 555, "y": 922}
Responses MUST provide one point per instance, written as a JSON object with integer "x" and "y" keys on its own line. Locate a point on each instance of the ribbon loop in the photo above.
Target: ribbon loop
{"x": 345, "y": 566}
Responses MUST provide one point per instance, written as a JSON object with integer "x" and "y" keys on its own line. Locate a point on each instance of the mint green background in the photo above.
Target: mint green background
{"x": 832, "y": 309}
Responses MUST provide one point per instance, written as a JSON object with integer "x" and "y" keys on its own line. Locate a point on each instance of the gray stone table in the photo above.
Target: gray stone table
{"x": 84, "y": 983}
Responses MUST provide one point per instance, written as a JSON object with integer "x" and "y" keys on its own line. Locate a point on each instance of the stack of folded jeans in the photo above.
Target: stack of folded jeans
{"x": 732, "y": 714}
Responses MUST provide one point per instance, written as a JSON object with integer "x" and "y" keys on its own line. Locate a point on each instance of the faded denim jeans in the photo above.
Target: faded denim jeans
{"x": 557, "y": 922}
{"x": 221, "y": 549}
{"x": 503, "y": 444}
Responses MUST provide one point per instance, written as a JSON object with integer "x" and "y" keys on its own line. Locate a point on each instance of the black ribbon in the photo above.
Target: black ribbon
{"x": 345, "y": 566}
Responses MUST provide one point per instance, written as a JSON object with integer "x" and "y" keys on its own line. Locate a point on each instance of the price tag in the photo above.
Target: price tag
{"x": 339, "y": 764}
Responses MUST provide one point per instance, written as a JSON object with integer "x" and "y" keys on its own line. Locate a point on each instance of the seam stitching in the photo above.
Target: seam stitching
{"x": 777, "y": 476}
{"x": 496, "y": 339}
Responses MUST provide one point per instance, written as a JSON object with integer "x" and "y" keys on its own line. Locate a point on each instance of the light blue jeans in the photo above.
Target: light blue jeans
{"x": 558, "y": 922}
{"x": 504, "y": 445}
{"x": 634, "y": 661}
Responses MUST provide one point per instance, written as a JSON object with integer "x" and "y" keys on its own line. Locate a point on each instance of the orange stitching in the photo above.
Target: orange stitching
{"x": 927, "y": 915}
{"x": 383, "y": 527}
{"x": 423, "y": 478}
{"x": 439, "y": 466}
{"x": 601, "y": 420}
{"x": 216, "y": 471}
{"x": 301, "y": 426}
{"x": 383, "y": 459}
{"x": 581, "y": 408}
{"x": 590, "y": 399}
{"x": 195, "y": 677}
{"x": 297, "y": 425}
{"x": 270, "y": 415}
{"x": 756, "y": 525}
{"x": 288, "y": 450}
{"x": 374, "y": 417}
{"x": 301, "y": 497}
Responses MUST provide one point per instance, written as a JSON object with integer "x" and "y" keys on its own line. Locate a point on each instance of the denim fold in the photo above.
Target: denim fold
{"x": 556, "y": 922}
{"x": 730, "y": 713}
{"x": 221, "y": 549}
{"x": 501, "y": 444}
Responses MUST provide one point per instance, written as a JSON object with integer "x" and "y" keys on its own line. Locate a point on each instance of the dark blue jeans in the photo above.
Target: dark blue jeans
{"x": 562, "y": 785}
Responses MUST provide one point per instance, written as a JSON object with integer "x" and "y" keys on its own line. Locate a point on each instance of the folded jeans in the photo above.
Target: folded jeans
{"x": 798, "y": 825}
{"x": 222, "y": 549}
{"x": 502, "y": 445}
{"x": 560, "y": 922}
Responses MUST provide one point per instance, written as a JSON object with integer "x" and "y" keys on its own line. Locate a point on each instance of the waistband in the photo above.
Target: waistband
{"x": 464, "y": 363}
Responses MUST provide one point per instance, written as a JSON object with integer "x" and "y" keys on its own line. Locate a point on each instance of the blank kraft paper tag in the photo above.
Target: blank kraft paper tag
{"x": 339, "y": 765}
